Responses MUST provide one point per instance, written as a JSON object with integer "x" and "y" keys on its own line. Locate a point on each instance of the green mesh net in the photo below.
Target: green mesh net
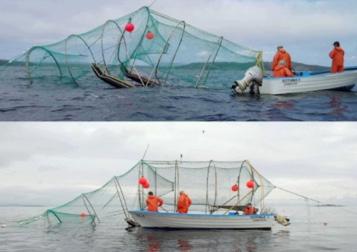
{"x": 209, "y": 185}
{"x": 159, "y": 50}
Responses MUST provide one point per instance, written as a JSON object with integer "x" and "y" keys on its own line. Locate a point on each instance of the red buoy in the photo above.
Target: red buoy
{"x": 250, "y": 184}
{"x": 146, "y": 185}
{"x": 150, "y": 35}
{"x": 129, "y": 27}
{"x": 83, "y": 214}
{"x": 143, "y": 181}
{"x": 235, "y": 188}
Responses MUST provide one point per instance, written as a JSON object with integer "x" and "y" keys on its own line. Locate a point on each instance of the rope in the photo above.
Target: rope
{"x": 260, "y": 62}
{"x": 152, "y": 3}
{"x": 299, "y": 195}
{"x": 90, "y": 204}
{"x": 146, "y": 150}
{"x": 239, "y": 201}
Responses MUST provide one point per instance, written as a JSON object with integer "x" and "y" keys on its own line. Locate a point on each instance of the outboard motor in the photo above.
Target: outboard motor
{"x": 253, "y": 78}
{"x": 282, "y": 220}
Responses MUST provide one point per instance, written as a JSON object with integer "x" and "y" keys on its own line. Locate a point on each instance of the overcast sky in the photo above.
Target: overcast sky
{"x": 51, "y": 163}
{"x": 307, "y": 28}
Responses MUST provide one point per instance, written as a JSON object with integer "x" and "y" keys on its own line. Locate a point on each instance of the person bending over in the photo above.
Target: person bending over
{"x": 153, "y": 202}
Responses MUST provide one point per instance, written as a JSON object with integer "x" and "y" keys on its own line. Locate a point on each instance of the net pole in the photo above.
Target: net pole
{"x": 133, "y": 55}
{"x": 102, "y": 41}
{"x": 215, "y": 185}
{"x": 261, "y": 186}
{"x": 155, "y": 172}
{"x": 165, "y": 48}
{"x": 261, "y": 177}
{"x": 85, "y": 204}
{"x": 143, "y": 35}
{"x": 253, "y": 179}
{"x": 121, "y": 198}
{"x": 214, "y": 59}
{"x": 90, "y": 204}
{"x": 239, "y": 175}
{"x": 177, "y": 49}
{"x": 176, "y": 185}
{"x": 140, "y": 196}
{"x": 207, "y": 185}
{"x": 122, "y": 38}
{"x": 202, "y": 72}
{"x": 133, "y": 68}
{"x": 54, "y": 214}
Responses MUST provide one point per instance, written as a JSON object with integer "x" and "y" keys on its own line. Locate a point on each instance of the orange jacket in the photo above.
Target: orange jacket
{"x": 337, "y": 56}
{"x": 184, "y": 202}
{"x": 249, "y": 210}
{"x": 282, "y": 71}
{"x": 282, "y": 55}
{"x": 153, "y": 203}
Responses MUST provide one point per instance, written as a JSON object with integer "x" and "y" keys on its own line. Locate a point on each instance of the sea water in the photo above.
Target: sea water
{"x": 311, "y": 229}
{"x": 48, "y": 99}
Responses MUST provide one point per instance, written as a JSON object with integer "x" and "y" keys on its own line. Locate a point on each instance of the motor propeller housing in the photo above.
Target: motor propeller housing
{"x": 253, "y": 75}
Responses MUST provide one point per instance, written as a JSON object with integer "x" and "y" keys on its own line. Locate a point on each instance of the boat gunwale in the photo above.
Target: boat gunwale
{"x": 252, "y": 216}
{"x": 312, "y": 75}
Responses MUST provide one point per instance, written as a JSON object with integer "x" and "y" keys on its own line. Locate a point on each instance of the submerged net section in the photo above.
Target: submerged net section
{"x": 144, "y": 47}
{"x": 208, "y": 184}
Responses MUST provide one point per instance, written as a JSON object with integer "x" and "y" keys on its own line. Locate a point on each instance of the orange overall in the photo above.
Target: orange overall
{"x": 282, "y": 71}
{"x": 183, "y": 203}
{"x": 153, "y": 203}
{"x": 249, "y": 210}
{"x": 282, "y": 55}
{"x": 337, "y": 56}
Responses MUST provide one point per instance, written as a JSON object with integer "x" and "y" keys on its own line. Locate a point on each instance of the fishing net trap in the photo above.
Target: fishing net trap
{"x": 214, "y": 188}
{"x": 144, "y": 48}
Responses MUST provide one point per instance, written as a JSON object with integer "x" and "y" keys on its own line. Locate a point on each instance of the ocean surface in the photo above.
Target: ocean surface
{"x": 50, "y": 100}
{"x": 311, "y": 229}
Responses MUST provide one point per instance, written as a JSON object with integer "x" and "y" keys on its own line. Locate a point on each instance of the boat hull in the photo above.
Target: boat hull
{"x": 202, "y": 221}
{"x": 301, "y": 84}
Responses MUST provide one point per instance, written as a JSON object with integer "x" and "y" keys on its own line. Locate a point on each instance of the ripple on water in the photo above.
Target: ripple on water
{"x": 46, "y": 100}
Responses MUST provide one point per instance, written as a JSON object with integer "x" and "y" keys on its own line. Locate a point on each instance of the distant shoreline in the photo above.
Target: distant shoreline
{"x": 17, "y": 205}
{"x": 297, "y": 65}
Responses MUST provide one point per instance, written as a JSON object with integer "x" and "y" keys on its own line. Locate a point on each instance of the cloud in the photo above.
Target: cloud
{"x": 305, "y": 27}
{"x": 39, "y": 161}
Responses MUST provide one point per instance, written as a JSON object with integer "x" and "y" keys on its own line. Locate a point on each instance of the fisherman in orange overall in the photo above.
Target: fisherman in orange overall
{"x": 183, "y": 203}
{"x": 337, "y": 56}
{"x": 249, "y": 209}
{"x": 281, "y": 70}
{"x": 281, "y": 54}
{"x": 153, "y": 202}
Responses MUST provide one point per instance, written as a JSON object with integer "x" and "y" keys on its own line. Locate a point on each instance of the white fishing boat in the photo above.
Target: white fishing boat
{"x": 222, "y": 195}
{"x": 302, "y": 82}
{"x": 308, "y": 82}
{"x": 165, "y": 220}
